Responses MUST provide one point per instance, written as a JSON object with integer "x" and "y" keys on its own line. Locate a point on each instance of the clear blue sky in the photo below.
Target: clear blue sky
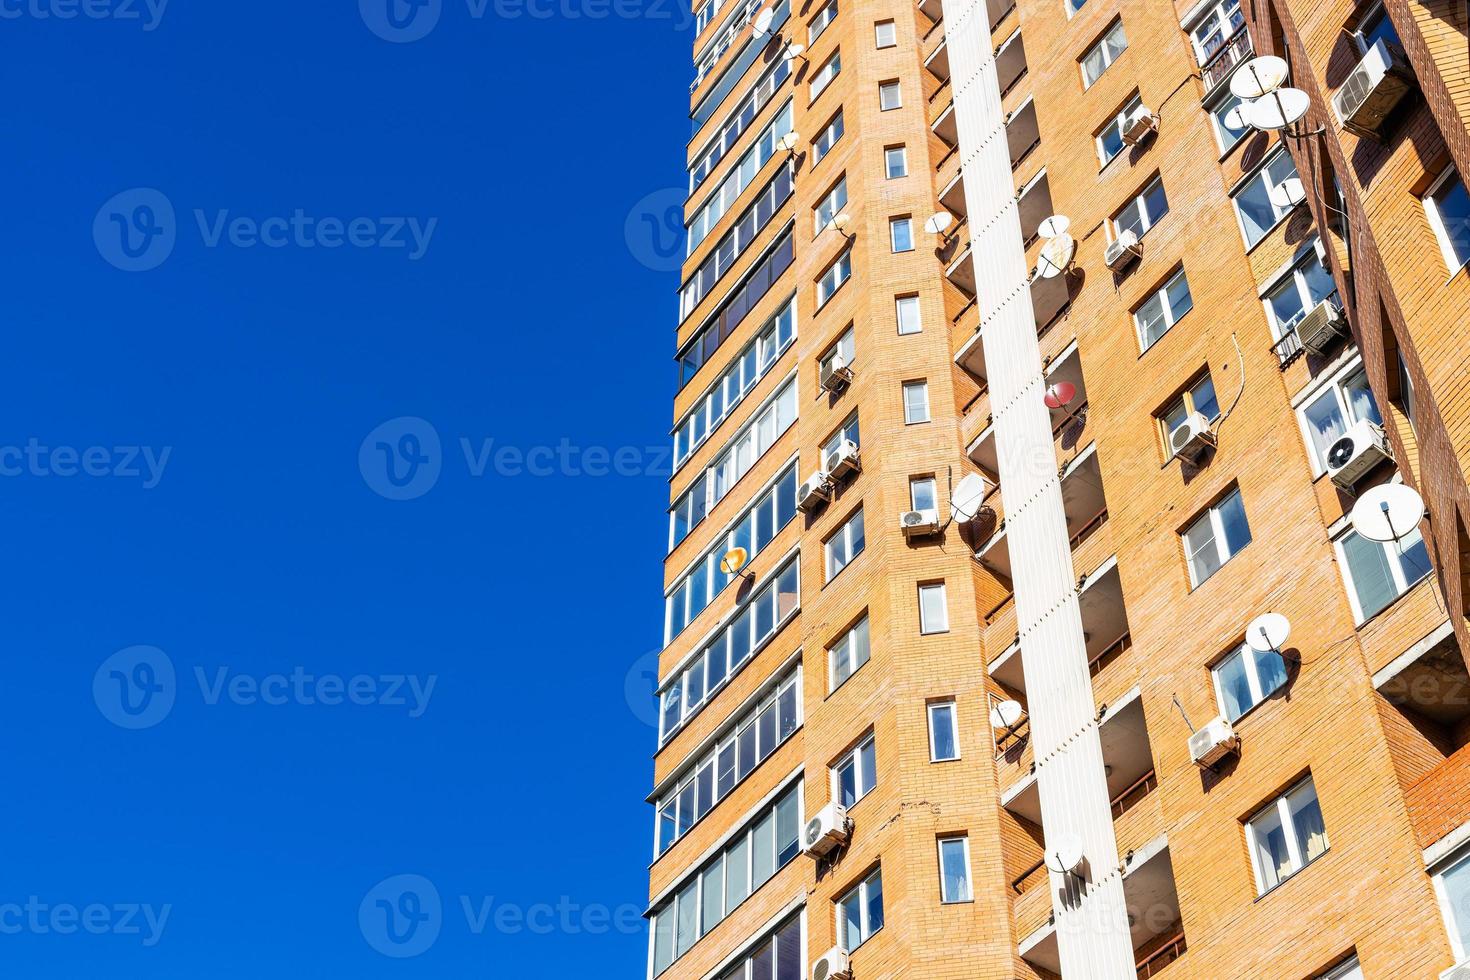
{"x": 261, "y": 543}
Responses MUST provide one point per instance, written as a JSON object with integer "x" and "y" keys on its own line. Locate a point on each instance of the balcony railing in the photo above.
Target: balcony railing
{"x": 1016, "y": 163}
{"x": 1125, "y": 800}
{"x": 1029, "y": 878}
{"x": 1217, "y": 68}
{"x": 1086, "y": 531}
{"x": 1110, "y": 653}
{"x": 1162, "y": 957}
{"x": 1001, "y": 19}
{"x": 1014, "y": 82}
{"x": 1289, "y": 347}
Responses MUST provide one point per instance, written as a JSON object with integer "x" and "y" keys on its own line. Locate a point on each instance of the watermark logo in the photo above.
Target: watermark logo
{"x": 654, "y": 230}
{"x": 401, "y": 458}
{"x": 135, "y": 688}
{"x": 640, "y": 688}
{"x": 136, "y": 229}
{"x": 401, "y": 916}
{"x": 35, "y": 459}
{"x": 38, "y": 918}
{"x": 148, "y": 12}
{"x": 400, "y": 21}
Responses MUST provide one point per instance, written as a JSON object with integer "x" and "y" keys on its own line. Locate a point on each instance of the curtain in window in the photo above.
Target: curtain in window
{"x": 1272, "y": 854}
{"x": 1235, "y": 690}
{"x": 1306, "y": 817}
{"x": 1372, "y": 579}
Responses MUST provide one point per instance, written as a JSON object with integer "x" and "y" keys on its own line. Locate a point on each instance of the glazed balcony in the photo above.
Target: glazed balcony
{"x": 1221, "y": 63}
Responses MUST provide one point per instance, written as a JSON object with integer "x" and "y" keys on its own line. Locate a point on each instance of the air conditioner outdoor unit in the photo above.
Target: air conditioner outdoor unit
{"x": 815, "y": 491}
{"x": 843, "y": 460}
{"x": 1192, "y": 437}
{"x": 1372, "y": 90}
{"x": 836, "y": 375}
{"x": 826, "y": 831}
{"x": 832, "y": 965}
{"x": 1122, "y": 250}
{"x": 1212, "y": 743}
{"x": 1350, "y": 458}
{"x": 1143, "y": 124}
{"x": 1319, "y": 328}
{"x": 1460, "y": 971}
{"x": 918, "y": 522}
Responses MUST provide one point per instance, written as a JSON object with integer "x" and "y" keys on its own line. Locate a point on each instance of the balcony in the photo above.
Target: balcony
{"x": 1035, "y": 206}
{"x": 1010, "y": 63}
{"x": 1219, "y": 65}
{"x": 999, "y": 11}
{"x": 961, "y": 272}
{"x": 938, "y": 62}
{"x": 1023, "y": 135}
{"x": 933, "y": 9}
{"x": 945, "y": 126}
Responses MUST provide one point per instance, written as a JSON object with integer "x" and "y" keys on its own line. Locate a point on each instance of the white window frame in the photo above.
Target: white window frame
{"x": 1295, "y": 277}
{"x": 1261, "y": 174}
{"x": 834, "y": 124}
{"x": 915, "y": 482}
{"x": 954, "y": 720}
{"x": 1118, "y": 124}
{"x": 1367, "y": 15}
{"x": 1348, "y": 969}
{"x": 1188, "y": 401}
{"x": 1216, "y": 16}
{"x": 1216, "y": 108}
{"x": 912, "y": 299}
{"x": 1298, "y": 860}
{"x": 865, "y": 926}
{"x": 1393, "y": 552}
{"x": 922, "y": 386}
{"x": 845, "y": 346}
{"x": 894, "y": 86}
{"x": 892, "y": 26}
{"x": 831, "y": 205}
{"x": 819, "y": 23}
{"x": 826, "y": 74}
{"x": 1436, "y": 221}
{"x": 1252, "y": 680}
{"x": 903, "y": 159}
{"x": 1109, "y": 58}
{"x": 844, "y": 535}
{"x": 834, "y": 277}
{"x": 849, "y": 429}
{"x": 854, "y": 757}
{"x": 1072, "y": 7}
{"x": 1446, "y": 907}
{"x": 969, "y": 894}
{"x": 1217, "y": 533}
{"x": 904, "y": 225}
{"x": 927, "y": 628}
{"x": 1139, "y": 203}
{"x": 1161, "y": 295}
{"x": 1333, "y": 385}
{"x": 846, "y": 649}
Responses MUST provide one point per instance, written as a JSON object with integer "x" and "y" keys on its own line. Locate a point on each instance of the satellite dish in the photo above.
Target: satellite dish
{"x": 1237, "y": 116}
{"x": 964, "y": 500}
{"x": 1056, "y": 256}
{"x": 842, "y": 221}
{"x": 1066, "y": 856}
{"x": 1258, "y": 77}
{"x": 1289, "y": 193}
{"x": 788, "y": 142}
{"x": 1387, "y": 512}
{"x": 762, "y": 25}
{"x": 1006, "y": 715}
{"x": 1282, "y": 108}
{"x": 1060, "y": 394}
{"x": 1268, "y": 632}
{"x": 1054, "y": 227}
{"x": 734, "y": 560}
{"x": 794, "y": 51}
{"x": 938, "y": 222}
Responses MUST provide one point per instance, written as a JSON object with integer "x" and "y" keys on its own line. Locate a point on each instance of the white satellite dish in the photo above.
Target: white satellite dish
{"x": 1006, "y": 715}
{"x": 842, "y": 221}
{"x": 1289, "y": 193}
{"x": 793, "y": 51}
{"x": 1066, "y": 856}
{"x": 1237, "y": 116}
{"x": 1056, "y": 256}
{"x": 1268, "y": 632}
{"x": 1282, "y": 108}
{"x": 1387, "y": 512}
{"x": 762, "y": 25}
{"x": 788, "y": 142}
{"x": 964, "y": 501}
{"x": 938, "y": 223}
{"x": 1258, "y": 77}
{"x": 1054, "y": 227}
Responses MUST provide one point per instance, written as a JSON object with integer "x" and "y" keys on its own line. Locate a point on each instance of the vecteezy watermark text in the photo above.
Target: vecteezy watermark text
{"x": 38, "y": 918}
{"x": 137, "y": 230}
{"x": 148, "y": 12}
{"x": 137, "y": 688}
{"x": 404, "y": 21}
{"x": 123, "y": 462}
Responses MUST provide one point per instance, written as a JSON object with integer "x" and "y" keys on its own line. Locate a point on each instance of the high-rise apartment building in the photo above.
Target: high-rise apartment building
{"x": 1028, "y": 354}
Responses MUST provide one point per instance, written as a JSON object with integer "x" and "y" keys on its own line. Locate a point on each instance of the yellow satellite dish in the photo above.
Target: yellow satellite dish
{"x": 734, "y": 560}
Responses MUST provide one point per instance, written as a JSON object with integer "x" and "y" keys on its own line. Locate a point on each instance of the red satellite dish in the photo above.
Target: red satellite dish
{"x": 1060, "y": 394}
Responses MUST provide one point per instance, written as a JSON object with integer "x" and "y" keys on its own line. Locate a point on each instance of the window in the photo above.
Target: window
{"x": 855, "y": 774}
{"x": 1110, "y": 139}
{"x": 933, "y": 608}
{"x": 847, "y": 430}
{"x": 1217, "y": 25}
{"x": 744, "y": 744}
{"x": 1298, "y": 293}
{"x": 901, "y": 234}
{"x": 1327, "y": 417}
{"x": 686, "y": 692}
{"x": 845, "y": 545}
{"x": 738, "y": 121}
{"x": 826, "y": 73}
{"x": 819, "y": 23}
{"x": 1216, "y": 537}
{"x": 1103, "y": 53}
{"x": 1452, "y": 884}
{"x": 740, "y": 177}
{"x": 908, "y": 315}
{"x": 1260, "y": 202}
{"x": 1448, "y": 207}
{"x": 915, "y": 402}
{"x": 890, "y": 95}
{"x": 849, "y": 653}
{"x": 895, "y": 162}
{"x": 748, "y": 860}
{"x": 830, "y": 134}
{"x": 1245, "y": 678}
{"x": 1347, "y": 970}
{"x": 954, "y": 870}
{"x": 860, "y": 912}
{"x": 1286, "y": 836}
{"x": 1377, "y": 572}
{"x": 831, "y": 204}
{"x": 700, "y": 349}
{"x": 844, "y": 350}
{"x": 832, "y": 279}
{"x": 735, "y": 241}
{"x": 1199, "y": 397}
{"x": 886, "y": 34}
{"x": 1162, "y": 310}
{"x": 1074, "y": 5}
{"x": 1406, "y": 389}
{"x": 1226, "y": 134}
{"x": 944, "y": 741}
{"x": 922, "y": 494}
{"x": 1143, "y": 212}
{"x": 748, "y": 367}
{"x": 1375, "y": 26}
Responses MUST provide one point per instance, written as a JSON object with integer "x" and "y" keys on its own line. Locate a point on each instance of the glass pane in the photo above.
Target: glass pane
{"x": 688, "y": 922}
{"x": 1235, "y": 691}
{"x": 1232, "y": 520}
{"x": 941, "y": 725}
{"x": 849, "y": 922}
{"x": 1453, "y": 206}
{"x": 1199, "y": 545}
{"x": 1306, "y": 818}
{"x": 1270, "y": 671}
{"x": 737, "y": 873}
{"x": 1359, "y": 398}
{"x": 788, "y": 952}
{"x": 714, "y": 896}
{"x": 847, "y": 783}
{"x": 1318, "y": 281}
{"x": 1228, "y": 135}
{"x": 663, "y": 940}
{"x": 922, "y": 494}
{"x": 1256, "y": 213}
{"x": 1457, "y": 891}
{"x": 1204, "y": 399}
{"x": 1324, "y": 423}
{"x": 1156, "y": 205}
{"x": 1372, "y": 580}
{"x": 1180, "y": 302}
{"x": 725, "y": 770}
{"x": 763, "y": 963}
{"x": 956, "y": 877}
{"x": 1414, "y": 559}
{"x": 860, "y": 643}
{"x": 786, "y": 707}
{"x": 1286, "y": 304}
{"x": 788, "y": 829}
{"x": 765, "y": 851}
{"x": 1272, "y": 857}
{"x": 875, "y": 904}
